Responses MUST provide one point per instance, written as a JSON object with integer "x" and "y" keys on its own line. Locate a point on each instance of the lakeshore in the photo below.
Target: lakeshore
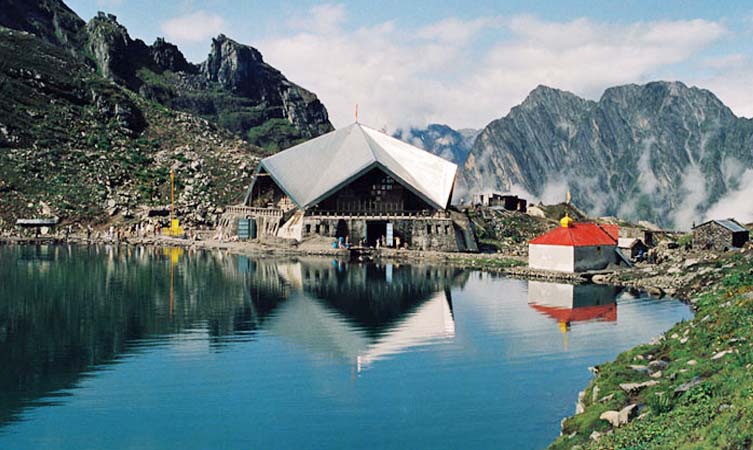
{"x": 631, "y": 398}
{"x": 375, "y": 334}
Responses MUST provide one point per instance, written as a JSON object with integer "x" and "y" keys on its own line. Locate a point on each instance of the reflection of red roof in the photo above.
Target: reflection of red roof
{"x": 603, "y": 312}
{"x": 580, "y": 235}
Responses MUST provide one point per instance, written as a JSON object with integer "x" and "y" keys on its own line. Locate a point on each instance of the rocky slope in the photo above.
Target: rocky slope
{"x": 234, "y": 87}
{"x": 51, "y": 20}
{"x": 76, "y": 145}
{"x": 661, "y": 151}
{"x": 441, "y": 140}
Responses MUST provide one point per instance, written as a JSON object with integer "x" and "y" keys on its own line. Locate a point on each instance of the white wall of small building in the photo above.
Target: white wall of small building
{"x": 551, "y": 257}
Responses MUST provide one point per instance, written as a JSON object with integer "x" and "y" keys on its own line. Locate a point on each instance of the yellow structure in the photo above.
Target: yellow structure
{"x": 175, "y": 229}
{"x": 566, "y": 221}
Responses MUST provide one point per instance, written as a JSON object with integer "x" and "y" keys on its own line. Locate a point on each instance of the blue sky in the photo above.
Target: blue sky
{"x": 458, "y": 62}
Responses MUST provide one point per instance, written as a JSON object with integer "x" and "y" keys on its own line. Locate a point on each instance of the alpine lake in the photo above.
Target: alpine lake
{"x": 136, "y": 347}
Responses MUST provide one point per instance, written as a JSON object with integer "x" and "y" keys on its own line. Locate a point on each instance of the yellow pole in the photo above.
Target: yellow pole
{"x": 172, "y": 196}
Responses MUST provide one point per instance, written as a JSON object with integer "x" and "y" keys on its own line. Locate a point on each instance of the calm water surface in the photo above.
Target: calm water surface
{"x": 135, "y": 348}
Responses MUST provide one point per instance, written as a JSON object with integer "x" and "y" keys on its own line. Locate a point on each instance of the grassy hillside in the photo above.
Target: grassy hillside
{"x": 691, "y": 389}
{"x": 76, "y": 145}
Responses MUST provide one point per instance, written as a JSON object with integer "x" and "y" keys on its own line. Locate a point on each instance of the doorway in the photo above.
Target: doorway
{"x": 375, "y": 230}
{"x": 342, "y": 229}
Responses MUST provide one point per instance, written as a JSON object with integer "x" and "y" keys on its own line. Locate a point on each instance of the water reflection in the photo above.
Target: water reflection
{"x": 360, "y": 313}
{"x": 68, "y": 311}
{"x": 206, "y": 350}
{"x": 568, "y": 303}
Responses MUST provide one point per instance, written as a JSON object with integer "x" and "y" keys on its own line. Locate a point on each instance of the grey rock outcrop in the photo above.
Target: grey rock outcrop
{"x": 167, "y": 56}
{"x": 241, "y": 69}
{"x": 233, "y": 88}
{"x": 50, "y": 20}
{"x": 641, "y": 151}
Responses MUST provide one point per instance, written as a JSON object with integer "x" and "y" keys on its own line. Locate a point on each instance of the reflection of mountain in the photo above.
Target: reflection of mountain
{"x": 361, "y": 313}
{"x": 573, "y": 303}
{"x": 65, "y": 311}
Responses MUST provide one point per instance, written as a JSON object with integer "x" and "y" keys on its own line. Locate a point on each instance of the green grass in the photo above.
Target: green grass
{"x": 717, "y": 412}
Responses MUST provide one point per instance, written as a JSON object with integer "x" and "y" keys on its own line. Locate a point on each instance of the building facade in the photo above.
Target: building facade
{"x": 360, "y": 186}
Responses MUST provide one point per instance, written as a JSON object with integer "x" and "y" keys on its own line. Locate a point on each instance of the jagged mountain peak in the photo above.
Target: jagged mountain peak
{"x": 168, "y": 56}
{"x": 660, "y": 151}
{"x": 544, "y": 95}
{"x": 234, "y": 87}
{"x": 659, "y": 93}
{"x": 50, "y": 20}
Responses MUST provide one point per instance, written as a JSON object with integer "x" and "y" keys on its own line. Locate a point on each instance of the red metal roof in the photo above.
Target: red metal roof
{"x": 580, "y": 235}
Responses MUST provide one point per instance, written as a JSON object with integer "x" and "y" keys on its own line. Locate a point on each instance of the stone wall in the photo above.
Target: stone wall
{"x": 712, "y": 236}
{"x": 419, "y": 233}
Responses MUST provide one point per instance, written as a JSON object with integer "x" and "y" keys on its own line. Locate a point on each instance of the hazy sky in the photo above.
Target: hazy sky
{"x": 459, "y": 62}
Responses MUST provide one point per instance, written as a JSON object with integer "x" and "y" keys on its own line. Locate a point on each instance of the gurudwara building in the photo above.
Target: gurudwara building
{"x": 360, "y": 185}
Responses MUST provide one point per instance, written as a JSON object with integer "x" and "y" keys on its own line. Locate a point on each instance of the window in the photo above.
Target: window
{"x": 308, "y": 228}
{"x": 428, "y": 229}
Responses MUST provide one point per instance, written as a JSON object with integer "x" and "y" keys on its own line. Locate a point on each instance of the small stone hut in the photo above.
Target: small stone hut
{"x": 720, "y": 235}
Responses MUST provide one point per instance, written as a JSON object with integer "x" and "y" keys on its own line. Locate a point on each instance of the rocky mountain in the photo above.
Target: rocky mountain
{"x": 78, "y": 146}
{"x": 50, "y": 20}
{"x": 92, "y": 121}
{"x": 234, "y": 87}
{"x": 661, "y": 151}
{"x": 441, "y": 140}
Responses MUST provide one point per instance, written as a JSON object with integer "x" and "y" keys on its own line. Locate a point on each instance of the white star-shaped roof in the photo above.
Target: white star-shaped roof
{"x": 312, "y": 171}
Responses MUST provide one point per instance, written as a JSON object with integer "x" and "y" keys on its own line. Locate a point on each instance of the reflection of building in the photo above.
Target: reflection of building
{"x": 574, "y": 247}
{"x": 362, "y": 313}
{"x": 567, "y": 303}
{"x": 359, "y": 183}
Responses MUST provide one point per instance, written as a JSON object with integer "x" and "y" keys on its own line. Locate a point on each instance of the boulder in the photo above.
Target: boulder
{"x": 621, "y": 417}
{"x": 634, "y": 387}
{"x": 689, "y": 385}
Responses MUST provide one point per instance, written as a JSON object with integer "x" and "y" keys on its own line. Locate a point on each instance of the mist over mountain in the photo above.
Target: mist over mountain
{"x": 453, "y": 145}
{"x": 662, "y": 151}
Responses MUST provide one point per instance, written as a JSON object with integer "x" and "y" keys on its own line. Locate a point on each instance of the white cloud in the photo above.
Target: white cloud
{"x": 320, "y": 19}
{"x": 694, "y": 190}
{"x": 726, "y": 62}
{"x": 442, "y": 72}
{"x": 734, "y": 87}
{"x": 193, "y": 27}
{"x": 737, "y": 203}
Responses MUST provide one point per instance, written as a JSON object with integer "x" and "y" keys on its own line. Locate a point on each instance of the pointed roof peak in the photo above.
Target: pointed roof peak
{"x": 313, "y": 170}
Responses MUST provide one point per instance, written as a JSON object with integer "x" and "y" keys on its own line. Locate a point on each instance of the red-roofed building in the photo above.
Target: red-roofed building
{"x": 574, "y": 247}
